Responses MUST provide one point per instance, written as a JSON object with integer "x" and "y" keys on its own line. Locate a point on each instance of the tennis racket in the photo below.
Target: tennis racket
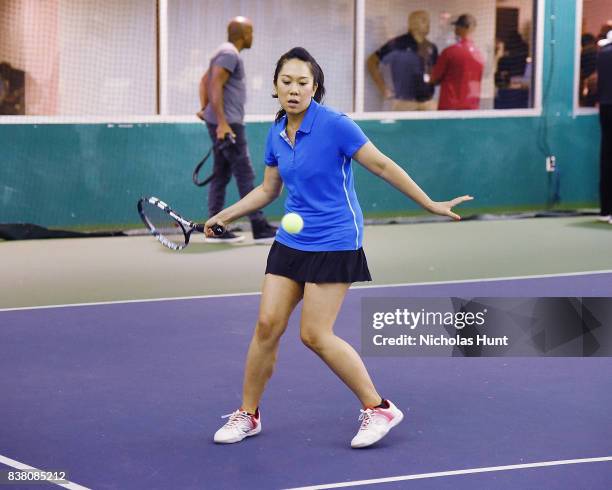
{"x": 225, "y": 146}
{"x": 167, "y": 226}
{"x": 195, "y": 177}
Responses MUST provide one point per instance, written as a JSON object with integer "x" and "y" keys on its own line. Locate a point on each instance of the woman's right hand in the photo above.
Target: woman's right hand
{"x": 210, "y": 223}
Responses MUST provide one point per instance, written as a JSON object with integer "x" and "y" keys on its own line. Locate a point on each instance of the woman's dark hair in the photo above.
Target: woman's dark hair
{"x": 317, "y": 73}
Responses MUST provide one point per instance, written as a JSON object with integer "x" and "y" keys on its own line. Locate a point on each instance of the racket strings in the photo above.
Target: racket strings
{"x": 163, "y": 225}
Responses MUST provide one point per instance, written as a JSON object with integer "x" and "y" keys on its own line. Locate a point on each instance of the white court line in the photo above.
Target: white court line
{"x": 374, "y": 286}
{"x": 452, "y": 473}
{"x": 486, "y": 279}
{"x": 127, "y": 301}
{"x": 22, "y": 466}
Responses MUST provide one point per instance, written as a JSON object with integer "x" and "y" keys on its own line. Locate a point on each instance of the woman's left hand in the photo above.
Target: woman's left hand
{"x": 445, "y": 208}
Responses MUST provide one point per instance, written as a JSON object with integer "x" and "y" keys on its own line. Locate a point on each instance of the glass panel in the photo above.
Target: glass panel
{"x": 596, "y": 23}
{"x": 197, "y": 28}
{"x": 78, "y": 57}
{"x": 448, "y": 54}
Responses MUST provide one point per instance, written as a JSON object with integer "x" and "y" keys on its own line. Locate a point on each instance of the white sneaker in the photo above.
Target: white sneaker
{"x": 605, "y": 219}
{"x": 240, "y": 425}
{"x": 376, "y": 423}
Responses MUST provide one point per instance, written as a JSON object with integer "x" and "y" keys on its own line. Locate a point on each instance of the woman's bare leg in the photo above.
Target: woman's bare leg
{"x": 279, "y": 297}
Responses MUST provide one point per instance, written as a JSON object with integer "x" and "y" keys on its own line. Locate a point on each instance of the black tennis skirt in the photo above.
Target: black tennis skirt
{"x": 341, "y": 266}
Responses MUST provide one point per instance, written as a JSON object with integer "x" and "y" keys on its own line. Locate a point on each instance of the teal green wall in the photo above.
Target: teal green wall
{"x": 77, "y": 174}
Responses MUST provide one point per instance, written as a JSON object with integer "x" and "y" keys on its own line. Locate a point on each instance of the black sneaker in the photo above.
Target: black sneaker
{"x": 263, "y": 232}
{"x": 227, "y": 237}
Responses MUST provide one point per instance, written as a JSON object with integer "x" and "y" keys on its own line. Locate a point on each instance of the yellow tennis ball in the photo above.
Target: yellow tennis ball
{"x": 292, "y": 223}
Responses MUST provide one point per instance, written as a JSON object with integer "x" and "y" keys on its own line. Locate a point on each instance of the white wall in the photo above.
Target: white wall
{"x": 595, "y": 13}
{"x": 28, "y": 41}
{"x": 196, "y": 28}
{"x": 108, "y": 57}
{"x": 11, "y": 33}
{"x": 83, "y": 57}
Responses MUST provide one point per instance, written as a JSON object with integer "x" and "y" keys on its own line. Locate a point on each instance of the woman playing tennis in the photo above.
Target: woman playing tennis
{"x": 309, "y": 150}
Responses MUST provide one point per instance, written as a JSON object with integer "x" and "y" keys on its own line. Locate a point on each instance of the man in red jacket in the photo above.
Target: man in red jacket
{"x": 459, "y": 69}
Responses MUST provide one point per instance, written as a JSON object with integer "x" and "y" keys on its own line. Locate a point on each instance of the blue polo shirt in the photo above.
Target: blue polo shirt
{"x": 318, "y": 177}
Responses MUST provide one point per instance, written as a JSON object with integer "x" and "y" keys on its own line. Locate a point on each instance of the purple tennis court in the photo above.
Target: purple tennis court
{"x": 128, "y": 395}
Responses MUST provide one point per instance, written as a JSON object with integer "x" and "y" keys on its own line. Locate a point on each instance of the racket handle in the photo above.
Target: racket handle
{"x": 217, "y": 229}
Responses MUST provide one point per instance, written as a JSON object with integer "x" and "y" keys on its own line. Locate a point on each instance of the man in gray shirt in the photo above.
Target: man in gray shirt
{"x": 222, "y": 97}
